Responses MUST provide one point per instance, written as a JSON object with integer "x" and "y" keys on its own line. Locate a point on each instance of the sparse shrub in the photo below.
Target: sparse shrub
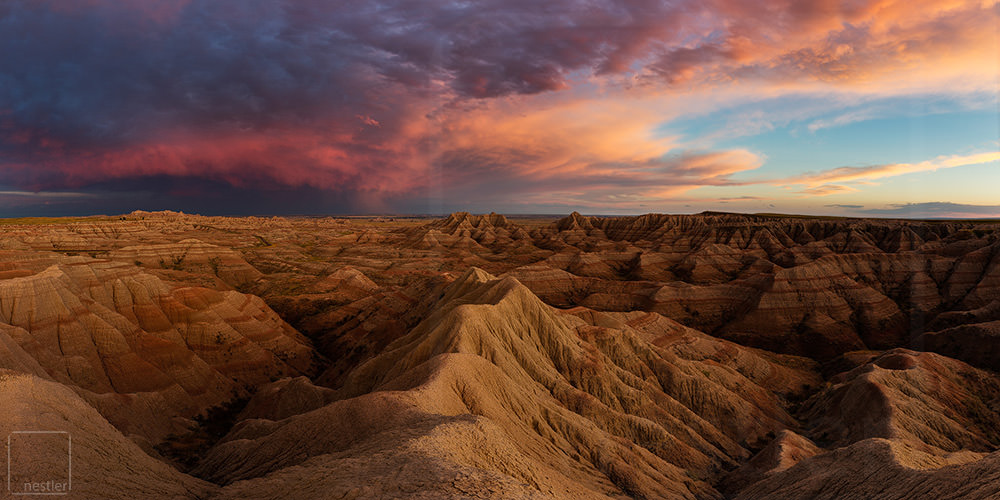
{"x": 176, "y": 262}
{"x": 214, "y": 262}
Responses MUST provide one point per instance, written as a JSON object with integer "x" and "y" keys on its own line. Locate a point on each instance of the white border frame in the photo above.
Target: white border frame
{"x": 69, "y": 483}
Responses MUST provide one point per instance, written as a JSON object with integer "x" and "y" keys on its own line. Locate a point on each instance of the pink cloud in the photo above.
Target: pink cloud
{"x": 827, "y": 189}
{"x": 821, "y": 182}
{"x": 504, "y": 99}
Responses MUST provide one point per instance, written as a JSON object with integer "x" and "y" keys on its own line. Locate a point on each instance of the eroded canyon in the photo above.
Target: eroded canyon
{"x": 479, "y": 356}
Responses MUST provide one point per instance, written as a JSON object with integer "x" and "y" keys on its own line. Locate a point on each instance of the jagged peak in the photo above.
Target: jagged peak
{"x": 478, "y": 221}
{"x": 574, "y": 221}
{"x": 353, "y": 274}
{"x": 495, "y": 219}
{"x": 482, "y": 287}
{"x": 457, "y": 217}
{"x": 475, "y": 275}
{"x": 157, "y": 213}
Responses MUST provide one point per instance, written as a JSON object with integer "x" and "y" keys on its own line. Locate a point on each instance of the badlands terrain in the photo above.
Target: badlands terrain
{"x": 478, "y": 356}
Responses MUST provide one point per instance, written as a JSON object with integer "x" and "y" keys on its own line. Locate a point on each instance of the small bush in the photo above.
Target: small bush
{"x": 214, "y": 262}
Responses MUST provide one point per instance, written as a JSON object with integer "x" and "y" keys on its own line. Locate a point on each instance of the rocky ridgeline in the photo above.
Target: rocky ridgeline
{"x": 810, "y": 286}
{"x": 144, "y": 353}
{"x": 701, "y": 357}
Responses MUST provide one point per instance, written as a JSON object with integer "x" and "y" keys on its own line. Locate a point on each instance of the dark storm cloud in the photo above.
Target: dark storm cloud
{"x": 103, "y": 73}
{"x": 363, "y": 96}
{"x": 109, "y": 89}
{"x": 194, "y": 195}
{"x": 101, "y": 76}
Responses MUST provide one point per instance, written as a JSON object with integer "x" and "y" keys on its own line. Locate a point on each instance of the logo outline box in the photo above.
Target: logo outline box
{"x": 69, "y": 464}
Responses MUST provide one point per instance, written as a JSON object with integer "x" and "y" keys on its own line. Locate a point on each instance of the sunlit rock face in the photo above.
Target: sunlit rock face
{"x": 130, "y": 342}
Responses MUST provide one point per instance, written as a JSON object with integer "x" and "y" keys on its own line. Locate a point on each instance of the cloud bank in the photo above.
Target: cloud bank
{"x": 936, "y": 209}
{"x": 389, "y": 104}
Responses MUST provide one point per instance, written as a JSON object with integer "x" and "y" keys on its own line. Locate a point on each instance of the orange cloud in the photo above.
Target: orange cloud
{"x": 822, "y": 183}
{"x": 535, "y": 101}
{"x": 827, "y": 189}
{"x": 878, "y": 47}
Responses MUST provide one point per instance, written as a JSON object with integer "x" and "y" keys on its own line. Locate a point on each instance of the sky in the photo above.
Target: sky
{"x": 874, "y": 108}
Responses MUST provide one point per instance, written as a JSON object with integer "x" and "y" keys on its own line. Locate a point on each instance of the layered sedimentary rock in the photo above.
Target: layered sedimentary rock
{"x": 922, "y": 398}
{"x": 786, "y": 450}
{"x": 528, "y": 376}
{"x": 467, "y": 231}
{"x": 286, "y": 398}
{"x": 881, "y": 468}
{"x": 971, "y": 335}
{"x": 706, "y": 356}
{"x": 193, "y": 256}
{"x": 105, "y": 464}
{"x": 109, "y": 328}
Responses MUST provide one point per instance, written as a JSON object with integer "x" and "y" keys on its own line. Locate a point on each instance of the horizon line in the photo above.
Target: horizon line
{"x": 417, "y": 215}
